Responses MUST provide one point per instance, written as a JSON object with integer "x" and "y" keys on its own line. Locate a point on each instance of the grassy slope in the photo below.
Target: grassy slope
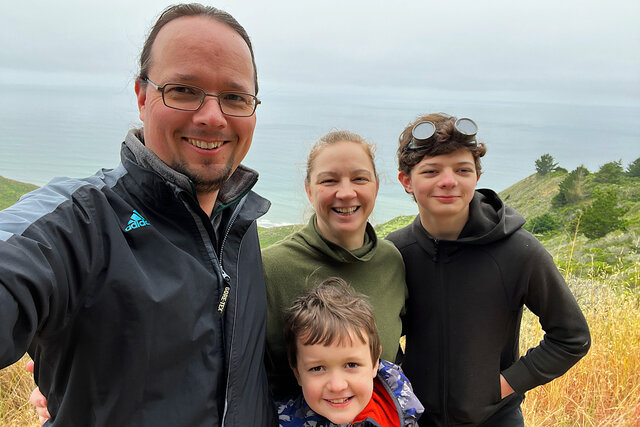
{"x": 618, "y": 251}
{"x": 532, "y": 195}
{"x": 10, "y": 191}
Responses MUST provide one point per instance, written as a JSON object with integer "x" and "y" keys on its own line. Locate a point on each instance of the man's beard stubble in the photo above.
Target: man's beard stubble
{"x": 205, "y": 184}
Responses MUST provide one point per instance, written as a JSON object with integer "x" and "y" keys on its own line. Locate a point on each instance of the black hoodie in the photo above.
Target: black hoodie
{"x": 464, "y": 311}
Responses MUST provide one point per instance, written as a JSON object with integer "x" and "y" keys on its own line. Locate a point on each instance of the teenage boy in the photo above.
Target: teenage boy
{"x": 470, "y": 269}
{"x": 333, "y": 348}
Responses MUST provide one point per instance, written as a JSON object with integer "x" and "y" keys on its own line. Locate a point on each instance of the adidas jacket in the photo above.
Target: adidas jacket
{"x": 137, "y": 310}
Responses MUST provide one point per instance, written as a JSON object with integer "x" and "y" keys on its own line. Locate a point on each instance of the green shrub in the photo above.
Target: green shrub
{"x": 634, "y": 168}
{"x": 603, "y": 216}
{"x": 571, "y": 189}
{"x": 610, "y": 173}
{"x": 542, "y": 224}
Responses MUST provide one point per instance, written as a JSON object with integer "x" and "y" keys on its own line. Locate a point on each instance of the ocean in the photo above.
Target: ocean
{"x": 49, "y": 130}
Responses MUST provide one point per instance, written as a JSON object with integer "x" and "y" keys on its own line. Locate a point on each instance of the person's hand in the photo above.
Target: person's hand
{"x": 38, "y": 400}
{"x": 505, "y": 388}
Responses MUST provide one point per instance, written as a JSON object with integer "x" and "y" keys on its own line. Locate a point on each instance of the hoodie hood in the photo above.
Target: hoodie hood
{"x": 489, "y": 220}
{"x": 311, "y": 237}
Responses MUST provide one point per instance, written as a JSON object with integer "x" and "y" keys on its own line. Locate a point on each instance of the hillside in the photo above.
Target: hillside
{"x": 532, "y": 195}
{"x": 10, "y": 191}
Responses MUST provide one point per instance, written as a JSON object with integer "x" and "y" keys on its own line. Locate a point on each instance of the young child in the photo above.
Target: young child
{"x": 470, "y": 269}
{"x": 333, "y": 349}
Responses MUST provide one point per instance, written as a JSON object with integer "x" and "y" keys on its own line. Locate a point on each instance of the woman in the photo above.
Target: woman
{"x": 341, "y": 184}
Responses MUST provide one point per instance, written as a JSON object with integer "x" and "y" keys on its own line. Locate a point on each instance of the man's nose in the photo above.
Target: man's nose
{"x": 210, "y": 113}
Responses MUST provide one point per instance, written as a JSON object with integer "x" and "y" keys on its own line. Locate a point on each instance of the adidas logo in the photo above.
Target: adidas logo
{"x": 136, "y": 221}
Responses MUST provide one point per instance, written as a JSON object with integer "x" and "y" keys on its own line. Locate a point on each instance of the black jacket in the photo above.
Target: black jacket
{"x": 464, "y": 311}
{"x": 136, "y": 310}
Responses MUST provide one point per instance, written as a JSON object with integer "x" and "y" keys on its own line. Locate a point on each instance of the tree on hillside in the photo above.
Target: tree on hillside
{"x": 610, "y": 173}
{"x": 603, "y": 216}
{"x": 634, "y": 168}
{"x": 571, "y": 189}
{"x": 545, "y": 164}
{"x": 542, "y": 224}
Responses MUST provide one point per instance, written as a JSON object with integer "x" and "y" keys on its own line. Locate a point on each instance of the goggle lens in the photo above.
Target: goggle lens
{"x": 466, "y": 127}
{"x": 464, "y": 130}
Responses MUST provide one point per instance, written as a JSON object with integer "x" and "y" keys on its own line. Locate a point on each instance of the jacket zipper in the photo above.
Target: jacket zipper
{"x": 224, "y": 297}
{"x": 445, "y": 344}
{"x": 225, "y": 276}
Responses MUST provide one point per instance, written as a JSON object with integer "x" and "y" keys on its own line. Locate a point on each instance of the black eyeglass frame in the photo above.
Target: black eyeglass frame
{"x": 425, "y": 132}
{"x": 204, "y": 96}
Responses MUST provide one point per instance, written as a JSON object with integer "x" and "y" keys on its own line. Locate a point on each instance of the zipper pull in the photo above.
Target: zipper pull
{"x": 225, "y": 292}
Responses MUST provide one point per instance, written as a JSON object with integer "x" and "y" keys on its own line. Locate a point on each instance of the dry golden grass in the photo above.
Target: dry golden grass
{"x": 603, "y": 389}
{"x": 15, "y": 387}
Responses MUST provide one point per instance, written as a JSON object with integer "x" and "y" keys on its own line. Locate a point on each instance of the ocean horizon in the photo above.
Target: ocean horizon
{"x": 50, "y": 130}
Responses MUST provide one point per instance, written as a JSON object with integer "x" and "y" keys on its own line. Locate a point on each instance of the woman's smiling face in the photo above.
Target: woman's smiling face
{"x": 342, "y": 189}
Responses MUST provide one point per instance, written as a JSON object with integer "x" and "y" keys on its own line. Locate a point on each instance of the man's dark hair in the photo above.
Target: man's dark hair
{"x": 190, "y": 9}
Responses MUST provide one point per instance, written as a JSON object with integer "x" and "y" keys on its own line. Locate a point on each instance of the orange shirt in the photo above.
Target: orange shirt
{"x": 380, "y": 408}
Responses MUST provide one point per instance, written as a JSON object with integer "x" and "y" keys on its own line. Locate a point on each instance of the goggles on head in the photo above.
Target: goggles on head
{"x": 464, "y": 131}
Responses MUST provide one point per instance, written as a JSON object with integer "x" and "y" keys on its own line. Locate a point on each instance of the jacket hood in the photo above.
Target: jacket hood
{"x": 489, "y": 220}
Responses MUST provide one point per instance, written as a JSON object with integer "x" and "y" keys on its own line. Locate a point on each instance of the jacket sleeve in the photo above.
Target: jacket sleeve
{"x": 44, "y": 255}
{"x": 566, "y": 339}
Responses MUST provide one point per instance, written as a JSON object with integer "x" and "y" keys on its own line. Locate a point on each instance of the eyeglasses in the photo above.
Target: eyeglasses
{"x": 190, "y": 98}
{"x": 464, "y": 131}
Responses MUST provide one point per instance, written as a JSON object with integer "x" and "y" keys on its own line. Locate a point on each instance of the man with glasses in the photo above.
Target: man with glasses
{"x": 139, "y": 291}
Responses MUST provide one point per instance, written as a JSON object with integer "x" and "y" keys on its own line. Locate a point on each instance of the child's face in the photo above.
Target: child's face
{"x": 336, "y": 379}
{"x": 443, "y": 185}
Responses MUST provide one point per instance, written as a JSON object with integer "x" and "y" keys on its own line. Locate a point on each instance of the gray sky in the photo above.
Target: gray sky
{"x": 587, "y": 48}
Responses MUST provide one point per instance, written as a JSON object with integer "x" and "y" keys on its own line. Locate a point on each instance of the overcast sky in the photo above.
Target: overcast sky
{"x": 587, "y": 46}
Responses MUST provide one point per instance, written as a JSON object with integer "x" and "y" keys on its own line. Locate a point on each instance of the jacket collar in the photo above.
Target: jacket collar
{"x": 238, "y": 185}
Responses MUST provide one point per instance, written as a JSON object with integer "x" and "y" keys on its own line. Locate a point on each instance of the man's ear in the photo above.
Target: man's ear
{"x": 141, "y": 94}
{"x": 405, "y": 180}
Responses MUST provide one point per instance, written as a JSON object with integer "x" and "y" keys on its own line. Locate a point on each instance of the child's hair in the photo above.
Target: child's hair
{"x": 331, "y": 312}
{"x": 444, "y": 143}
